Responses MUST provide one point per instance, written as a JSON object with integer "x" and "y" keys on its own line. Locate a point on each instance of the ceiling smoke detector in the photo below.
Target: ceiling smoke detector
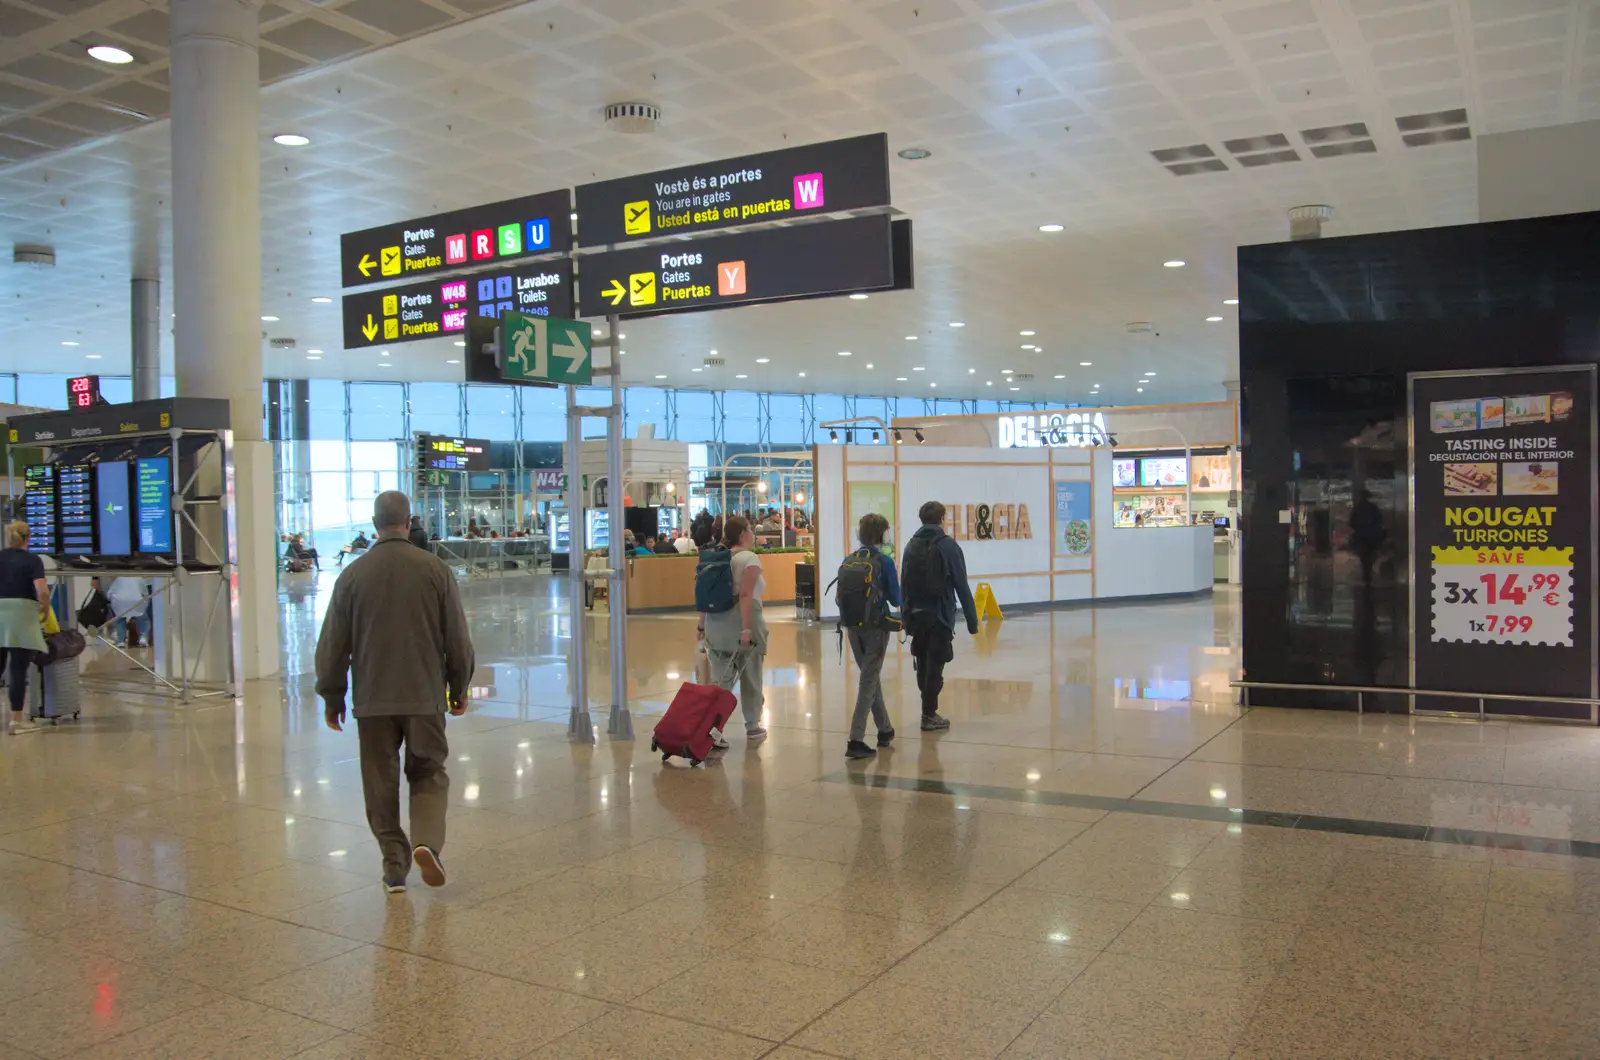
{"x": 28, "y": 254}
{"x": 633, "y": 117}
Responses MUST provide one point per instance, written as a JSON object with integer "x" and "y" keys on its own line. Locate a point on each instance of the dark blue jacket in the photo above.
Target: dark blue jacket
{"x": 942, "y": 599}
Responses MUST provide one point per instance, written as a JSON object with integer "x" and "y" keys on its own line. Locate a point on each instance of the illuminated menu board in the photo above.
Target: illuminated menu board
{"x": 39, "y": 507}
{"x": 154, "y": 493}
{"x": 75, "y": 501}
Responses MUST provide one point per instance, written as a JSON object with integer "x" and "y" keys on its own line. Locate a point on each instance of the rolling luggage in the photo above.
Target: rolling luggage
{"x": 693, "y": 722}
{"x": 55, "y": 695}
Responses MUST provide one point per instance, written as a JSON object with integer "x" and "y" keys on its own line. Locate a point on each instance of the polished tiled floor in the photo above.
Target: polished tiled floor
{"x": 1102, "y": 858}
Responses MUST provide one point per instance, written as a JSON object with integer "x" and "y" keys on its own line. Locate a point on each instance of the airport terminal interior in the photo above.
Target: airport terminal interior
{"x": 1246, "y": 350}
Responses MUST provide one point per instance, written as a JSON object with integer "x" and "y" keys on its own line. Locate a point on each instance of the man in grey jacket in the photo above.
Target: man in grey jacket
{"x": 933, "y": 578}
{"x": 395, "y": 626}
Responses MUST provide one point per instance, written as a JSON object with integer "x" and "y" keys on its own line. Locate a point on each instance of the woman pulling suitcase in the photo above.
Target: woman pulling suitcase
{"x": 736, "y": 639}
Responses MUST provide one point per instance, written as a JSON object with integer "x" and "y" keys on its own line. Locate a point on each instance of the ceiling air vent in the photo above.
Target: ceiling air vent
{"x": 1331, "y": 141}
{"x": 1187, "y": 161}
{"x": 1268, "y": 150}
{"x": 714, "y": 362}
{"x": 1139, "y": 327}
{"x": 281, "y": 344}
{"x": 28, "y": 254}
{"x": 1022, "y": 377}
{"x": 633, "y": 117}
{"x": 1440, "y": 127}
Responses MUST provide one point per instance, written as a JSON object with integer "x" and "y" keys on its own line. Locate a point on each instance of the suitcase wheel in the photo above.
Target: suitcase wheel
{"x": 654, "y": 746}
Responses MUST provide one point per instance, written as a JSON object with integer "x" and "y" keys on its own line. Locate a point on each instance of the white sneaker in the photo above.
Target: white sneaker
{"x": 757, "y": 733}
{"x": 18, "y": 728}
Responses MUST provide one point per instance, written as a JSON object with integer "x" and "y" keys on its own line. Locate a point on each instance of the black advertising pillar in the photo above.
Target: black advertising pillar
{"x": 1503, "y": 538}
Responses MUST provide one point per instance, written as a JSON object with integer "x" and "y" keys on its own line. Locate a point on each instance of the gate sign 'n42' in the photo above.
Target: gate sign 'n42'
{"x": 479, "y": 235}
{"x": 537, "y": 349}
{"x": 443, "y": 306}
{"x": 780, "y": 185}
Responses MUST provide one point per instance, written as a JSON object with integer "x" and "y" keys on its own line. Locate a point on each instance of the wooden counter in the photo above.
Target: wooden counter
{"x": 658, "y": 583}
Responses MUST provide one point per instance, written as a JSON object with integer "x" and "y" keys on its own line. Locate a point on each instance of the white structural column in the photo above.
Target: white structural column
{"x": 216, "y": 265}
{"x": 145, "y": 303}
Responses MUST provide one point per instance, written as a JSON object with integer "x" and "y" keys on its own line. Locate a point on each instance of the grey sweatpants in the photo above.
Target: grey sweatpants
{"x": 426, "y": 749}
{"x": 869, "y": 647}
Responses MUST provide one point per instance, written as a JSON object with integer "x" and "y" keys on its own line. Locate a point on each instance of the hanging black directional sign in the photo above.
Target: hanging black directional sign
{"x": 479, "y": 235}
{"x": 775, "y": 264}
{"x": 780, "y": 185}
{"x": 443, "y": 306}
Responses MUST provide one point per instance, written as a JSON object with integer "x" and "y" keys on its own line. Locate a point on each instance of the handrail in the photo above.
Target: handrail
{"x": 1361, "y": 691}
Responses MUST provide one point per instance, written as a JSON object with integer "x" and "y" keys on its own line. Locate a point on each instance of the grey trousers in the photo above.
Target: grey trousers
{"x": 747, "y": 665}
{"x": 426, "y": 749}
{"x": 869, "y": 647}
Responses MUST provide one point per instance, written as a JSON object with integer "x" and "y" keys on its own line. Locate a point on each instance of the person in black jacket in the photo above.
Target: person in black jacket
{"x": 933, "y": 577}
{"x": 417, "y": 535}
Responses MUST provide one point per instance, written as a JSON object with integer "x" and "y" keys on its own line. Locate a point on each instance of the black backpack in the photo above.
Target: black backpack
{"x": 924, "y": 580}
{"x": 96, "y": 610}
{"x": 860, "y": 597}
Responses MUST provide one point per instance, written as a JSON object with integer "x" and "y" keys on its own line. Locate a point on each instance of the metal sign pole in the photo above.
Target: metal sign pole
{"x": 579, "y": 725}
{"x": 620, "y": 723}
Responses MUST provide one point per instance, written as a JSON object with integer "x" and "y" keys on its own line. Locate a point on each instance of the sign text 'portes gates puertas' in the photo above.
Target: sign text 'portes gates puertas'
{"x": 714, "y": 271}
{"x": 1503, "y": 537}
{"x": 443, "y": 306}
{"x": 460, "y": 239}
{"x": 778, "y": 185}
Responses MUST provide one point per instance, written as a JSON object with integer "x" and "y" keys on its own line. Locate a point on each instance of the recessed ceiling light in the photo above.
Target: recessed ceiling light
{"x": 69, "y": 343}
{"x": 452, "y": 361}
{"x": 741, "y": 377}
{"x": 1212, "y": 320}
{"x": 763, "y": 360}
{"x": 323, "y": 299}
{"x": 312, "y": 357}
{"x": 1175, "y": 263}
{"x": 713, "y": 353}
{"x": 1149, "y": 374}
{"x": 1085, "y": 364}
{"x": 291, "y": 140}
{"x": 1139, "y": 389}
{"x": 802, "y": 375}
{"x": 660, "y": 377}
{"x": 899, "y": 379}
{"x": 313, "y": 351}
{"x": 919, "y": 368}
{"x": 914, "y": 154}
{"x": 911, "y": 338}
{"x": 988, "y": 382}
{"x": 269, "y": 320}
{"x": 1060, "y": 377}
{"x": 933, "y": 384}
{"x": 1051, "y": 228}
{"x": 384, "y": 364}
{"x": 106, "y": 53}
{"x": 958, "y": 323}
{"x": 92, "y": 356}
{"x": 574, "y": 215}
{"x": 1027, "y": 334}
{"x": 1230, "y": 301}
{"x": 1029, "y": 346}
{"x": 1016, "y": 388}
{"x": 869, "y": 365}
{"x": 696, "y": 369}
{"x": 1006, "y": 371}
{"x": 858, "y": 297}
{"x": 972, "y": 371}
{"x": 460, "y": 342}
{"x": 844, "y": 353}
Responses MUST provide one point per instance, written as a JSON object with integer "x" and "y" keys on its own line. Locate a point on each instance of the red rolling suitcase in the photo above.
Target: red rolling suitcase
{"x": 686, "y": 728}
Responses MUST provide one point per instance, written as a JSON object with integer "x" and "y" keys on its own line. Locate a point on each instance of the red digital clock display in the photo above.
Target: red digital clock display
{"x": 83, "y": 391}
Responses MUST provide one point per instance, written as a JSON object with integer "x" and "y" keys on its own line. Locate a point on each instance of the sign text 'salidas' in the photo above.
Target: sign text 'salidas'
{"x": 1069, "y": 430}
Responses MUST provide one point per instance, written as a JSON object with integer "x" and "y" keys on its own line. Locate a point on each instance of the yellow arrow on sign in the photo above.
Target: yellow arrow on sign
{"x": 371, "y": 330}
{"x": 616, "y": 292}
{"x": 366, "y": 265}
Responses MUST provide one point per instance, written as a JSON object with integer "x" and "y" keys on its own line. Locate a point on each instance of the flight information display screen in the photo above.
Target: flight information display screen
{"x": 153, "y": 485}
{"x": 75, "y": 500}
{"x": 114, "y": 520}
{"x": 456, "y": 454}
{"x": 39, "y": 507}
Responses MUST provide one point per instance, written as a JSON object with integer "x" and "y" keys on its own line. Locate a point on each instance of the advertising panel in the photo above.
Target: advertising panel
{"x": 153, "y": 486}
{"x": 865, "y": 499}
{"x": 1163, "y": 471}
{"x": 114, "y": 520}
{"x": 1503, "y": 537}
{"x": 1074, "y": 532}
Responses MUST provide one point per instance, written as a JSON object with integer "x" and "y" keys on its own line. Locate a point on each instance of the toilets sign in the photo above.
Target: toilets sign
{"x": 1054, "y": 430}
